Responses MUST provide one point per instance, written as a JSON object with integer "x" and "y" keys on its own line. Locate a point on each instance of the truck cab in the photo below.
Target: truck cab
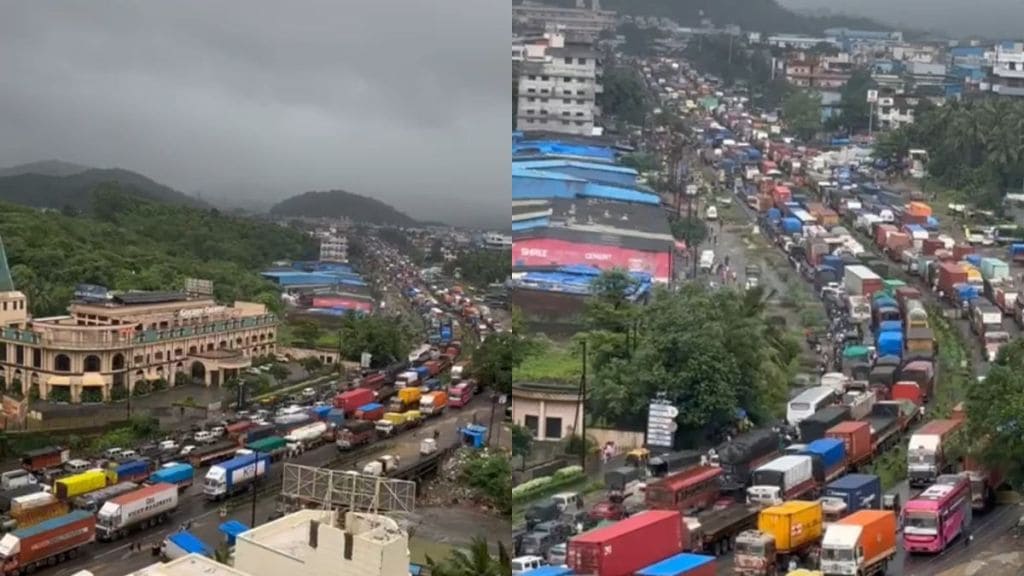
{"x": 755, "y": 554}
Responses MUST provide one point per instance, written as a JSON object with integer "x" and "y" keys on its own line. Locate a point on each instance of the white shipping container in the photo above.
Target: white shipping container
{"x": 795, "y": 469}
{"x": 136, "y": 507}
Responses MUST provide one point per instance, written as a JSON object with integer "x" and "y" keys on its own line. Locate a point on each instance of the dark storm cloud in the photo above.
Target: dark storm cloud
{"x": 404, "y": 100}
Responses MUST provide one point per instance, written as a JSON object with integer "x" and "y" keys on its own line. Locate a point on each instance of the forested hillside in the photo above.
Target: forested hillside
{"x": 341, "y": 204}
{"x": 72, "y": 193}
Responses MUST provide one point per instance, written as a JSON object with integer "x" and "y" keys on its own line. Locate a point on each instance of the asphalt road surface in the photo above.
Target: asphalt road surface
{"x": 116, "y": 559}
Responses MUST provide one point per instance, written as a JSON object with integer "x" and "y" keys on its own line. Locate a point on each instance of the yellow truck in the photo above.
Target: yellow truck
{"x": 406, "y": 399}
{"x": 88, "y": 481}
{"x": 392, "y": 423}
{"x": 790, "y": 530}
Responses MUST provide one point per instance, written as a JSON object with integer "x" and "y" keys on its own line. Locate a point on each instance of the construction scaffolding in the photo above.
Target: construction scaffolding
{"x": 346, "y": 489}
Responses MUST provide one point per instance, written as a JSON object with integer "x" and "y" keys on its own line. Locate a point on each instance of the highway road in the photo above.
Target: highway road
{"x": 116, "y": 559}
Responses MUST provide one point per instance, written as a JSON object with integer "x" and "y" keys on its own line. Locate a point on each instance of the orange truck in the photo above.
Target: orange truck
{"x": 862, "y": 543}
{"x": 434, "y": 403}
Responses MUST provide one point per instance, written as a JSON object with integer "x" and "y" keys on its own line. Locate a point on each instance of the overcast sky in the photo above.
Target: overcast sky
{"x": 407, "y": 101}
{"x": 988, "y": 18}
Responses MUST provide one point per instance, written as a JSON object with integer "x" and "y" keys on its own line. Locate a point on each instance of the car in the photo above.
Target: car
{"x": 217, "y": 431}
{"x": 188, "y": 449}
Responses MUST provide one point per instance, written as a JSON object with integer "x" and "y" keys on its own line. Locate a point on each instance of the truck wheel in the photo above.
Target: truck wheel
{"x": 73, "y": 552}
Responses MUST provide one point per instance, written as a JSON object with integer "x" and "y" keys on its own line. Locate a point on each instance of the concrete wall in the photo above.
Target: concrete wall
{"x": 544, "y": 409}
{"x": 624, "y": 440}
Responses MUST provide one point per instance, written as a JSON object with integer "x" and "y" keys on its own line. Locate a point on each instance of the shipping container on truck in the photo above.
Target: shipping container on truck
{"x": 622, "y": 548}
{"x": 849, "y": 494}
{"x": 785, "y": 478}
{"x": 684, "y": 564}
{"x": 93, "y": 501}
{"x": 861, "y": 280}
{"x": 950, "y": 274}
{"x": 70, "y": 486}
{"x": 744, "y": 453}
{"x": 46, "y": 543}
{"x": 405, "y": 399}
{"x": 236, "y": 430}
{"x": 32, "y": 509}
{"x": 863, "y": 543}
{"x": 814, "y": 426}
{"x": 714, "y": 531}
{"x": 792, "y": 529}
{"x": 370, "y": 412}
{"x": 350, "y": 400}
{"x": 228, "y": 478}
{"x": 16, "y": 478}
{"x": 460, "y": 394}
{"x": 355, "y": 433}
{"x": 926, "y": 459}
{"x": 407, "y": 379}
{"x": 828, "y": 459}
{"x": 8, "y": 496}
{"x": 213, "y": 453}
{"x": 275, "y": 447}
{"x": 137, "y": 470}
{"x": 856, "y": 436}
{"x": 43, "y": 458}
{"x": 257, "y": 433}
{"x": 434, "y": 403}
{"x": 142, "y": 508}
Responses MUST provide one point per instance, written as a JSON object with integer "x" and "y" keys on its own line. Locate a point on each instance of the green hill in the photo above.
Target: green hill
{"x": 60, "y": 190}
{"x": 341, "y": 204}
{"x": 129, "y": 243}
{"x": 45, "y": 168}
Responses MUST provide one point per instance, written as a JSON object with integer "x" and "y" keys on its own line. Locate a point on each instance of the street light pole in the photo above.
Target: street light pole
{"x": 255, "y": 481}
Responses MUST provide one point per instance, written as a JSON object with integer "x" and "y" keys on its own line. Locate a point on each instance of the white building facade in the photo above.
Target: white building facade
{"x": 558, "y": 86}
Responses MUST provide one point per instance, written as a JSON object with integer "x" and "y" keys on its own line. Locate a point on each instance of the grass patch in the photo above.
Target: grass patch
{"x": 554, "y": 363}
{"x": 953, "y": 365}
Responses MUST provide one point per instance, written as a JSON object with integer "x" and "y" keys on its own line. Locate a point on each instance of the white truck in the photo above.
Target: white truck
{"x": 407, "y": 379}
{"x": 785, "y": 478}
{"x": 228, "y": 478}
{"x": 16, "y": 479}
{"x": 306, "y": 437}
{"x": 144, "y": 507}
{"x": 382, "y": 466}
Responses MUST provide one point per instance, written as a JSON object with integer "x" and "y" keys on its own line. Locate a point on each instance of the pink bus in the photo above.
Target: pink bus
{"x": 936, "y": 516}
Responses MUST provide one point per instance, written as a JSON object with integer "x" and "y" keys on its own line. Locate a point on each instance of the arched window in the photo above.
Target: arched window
{"x": 62, "y": 363}
{"x": 117, "y": 362}
{"x": 92, "y": 363}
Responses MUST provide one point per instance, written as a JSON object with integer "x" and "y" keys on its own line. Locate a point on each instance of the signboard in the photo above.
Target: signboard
{"x": 872, "y": 96}
{"x": 198, "y": 287}
{"x": 364, "y": 359}
{"x": 200, "y": 312}
{"x": 661, "y": 424}
{"x": 547, "y": 252}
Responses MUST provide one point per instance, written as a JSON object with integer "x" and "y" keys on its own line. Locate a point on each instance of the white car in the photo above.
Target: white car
{"x": 309, "y": 392}
{"x": 188, "y": 449}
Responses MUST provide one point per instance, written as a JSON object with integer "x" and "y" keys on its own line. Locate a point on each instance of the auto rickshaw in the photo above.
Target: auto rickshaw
{"x": 638, "y": 457}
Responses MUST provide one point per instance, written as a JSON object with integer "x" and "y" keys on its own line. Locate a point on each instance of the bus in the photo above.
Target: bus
{"x": 937, "y": 516}
{"x": 692, "y": 489}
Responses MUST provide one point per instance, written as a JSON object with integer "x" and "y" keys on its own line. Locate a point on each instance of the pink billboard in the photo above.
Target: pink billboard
{"x": 549, "y": 252}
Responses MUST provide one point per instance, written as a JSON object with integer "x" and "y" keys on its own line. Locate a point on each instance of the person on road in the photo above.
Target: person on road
{"x": 437, "y": 433}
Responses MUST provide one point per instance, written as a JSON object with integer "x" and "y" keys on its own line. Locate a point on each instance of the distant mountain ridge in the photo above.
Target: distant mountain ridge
{"x": 342, "y": 204}
{"x": 56, "y": 184}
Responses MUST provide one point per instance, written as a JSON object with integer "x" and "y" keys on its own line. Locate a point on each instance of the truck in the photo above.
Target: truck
{"x": 863, "y": 543}
{"x": 434, "y": 403}
{"x": 629, "y": 545}
{"x": 405, "y": 399}
{"x": 355, "y": 433}
{"x": 370, "y": 412}
{"x": 828, "y": 459}
{"x": 407, "y": 379}
{"x": 32, "y": 509}
{"x": 181, "y": 544}
{"x": 459, "y": 371}
{"x": 15, "y": 479}
{"x": 213, "y": 453}
{"x": 460, "y": 394}
{"x": 394, "y": 422}
{"x": 177, "y": 473}
{"x": 137, "y": 470}
{"x": 792, "y": 529}
{"x": 949, "y": 275}
{"x": 814, "y": 426}
{"x": 350, "y": 400}
{"x": 849, "y": 494}
{"x": 785, "y": 478}
{"x": 856, "y": 437}
{"x": 43, "y": 458}
{"x": 861, "y": 281}
{"x": 886, "y": 421}
{"x": 746, "y": 451}
{"x": 993, "y": 341}
{"x": 228, "y": 478}
{"x": 142, "y": 508}
{"x": 93, "y": 501}
{"x": 8, "y": 496}
{"x": 985, "y": 318}
{"x": 382, "y": 466}
{"x": 70, "y": 486}
{"x": 46, "y": 543}
{"x": 714, "y": 531}
{"x": 275, "y": 447}
{"x": 925, "y": 457}
{"x": 683, "y": 564}
{"x": 306, "y": 437}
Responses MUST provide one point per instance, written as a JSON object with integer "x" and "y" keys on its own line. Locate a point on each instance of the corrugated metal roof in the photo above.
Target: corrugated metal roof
{"x": 531, "y": 223}
{"x": 543, "y": 164}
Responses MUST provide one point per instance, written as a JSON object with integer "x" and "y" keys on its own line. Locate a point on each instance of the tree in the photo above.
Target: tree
{"x": 856, "y": 111}
{"x": 801, "y": 111}
{"x": 307, "y": 333}
{"x": 481, "y": 267}
{"x": 311, "y": 364}
{"x": 279, "y": 372}
{"x": 498, "y": 356}
{"x": 623, "y": 96}
{"x": 522, "y": 442}
{"x": 477, "y": 561}
{"x": 690, "y": 229}
{"x": 996, "y": 428}
{"x": 490, "y": 474}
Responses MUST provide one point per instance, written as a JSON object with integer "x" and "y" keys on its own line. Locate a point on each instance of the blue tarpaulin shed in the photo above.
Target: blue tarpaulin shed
{"x": 232, "y": 529}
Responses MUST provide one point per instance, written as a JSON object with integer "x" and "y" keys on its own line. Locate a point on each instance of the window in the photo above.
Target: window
{"x": 565, "y": 113}
{"x": 544, "y": 78}
{"x": 567, "y": 79}
{"x": 567, "y": 92}
{"x": 567, "y": 101}
{"x": 532, "y": 77}
{"x": 37, "y": 358}
{"x": 579, "y": 123}
{"x": 531, "y": 99}
{"x": 568, "y": 60}
{"x": 19, "y": 355}
{"x": 531, "y": 91}
{"x": 552, "y": 428}
{"x": 565, "y": 122}
{"x": 579, "y": 101}
{"x": 579, "y": 113}
{"x": 581, "y": 60}
{"x": 532, "y": 424}
{"x": 580, "y": 92}
{"x": 3, "y": 352}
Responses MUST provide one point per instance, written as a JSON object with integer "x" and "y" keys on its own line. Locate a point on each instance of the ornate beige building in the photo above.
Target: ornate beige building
{"x": 104, "y": 346}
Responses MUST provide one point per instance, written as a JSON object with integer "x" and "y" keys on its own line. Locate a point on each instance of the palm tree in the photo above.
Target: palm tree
{"x": 477, "y": 561}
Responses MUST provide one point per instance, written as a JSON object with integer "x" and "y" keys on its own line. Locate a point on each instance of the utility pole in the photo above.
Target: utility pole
{"x": 581, "y": 416}
{"x": 255, "y": 481}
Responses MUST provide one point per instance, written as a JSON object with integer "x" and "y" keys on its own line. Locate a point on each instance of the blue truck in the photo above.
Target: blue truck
{"x": 849, "y": 494}
{"x": 175, "y": 473}
{"x": 130, "y": 471}
{"x": 229, "y": 478}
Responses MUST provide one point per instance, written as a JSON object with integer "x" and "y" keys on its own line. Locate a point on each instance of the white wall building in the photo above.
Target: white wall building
{"x": 1006, "y": 76}
{"x": 334, "y": 248}
{"x": 558, "y": 86}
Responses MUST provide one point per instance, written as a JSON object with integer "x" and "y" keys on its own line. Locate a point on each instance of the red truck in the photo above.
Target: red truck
{"x": 370, "y": 412}
{"x": 355, "y": 433}
{"x": 43, "y": 458}
{"x": 906, "y": 390}
{"x": 237, "y": 430}
{"x": 882, "y": 232}
{"x": 48, "y": 543}
{"x": 352, "y": 399}
{"x": 932, "y": 245}
{"x": 625, "y": 547}
{"x": 960, "y": 251}
{"x": 950, "y": 274}
{"x": 460, "y": 394}
{"x": 896, "y": 243}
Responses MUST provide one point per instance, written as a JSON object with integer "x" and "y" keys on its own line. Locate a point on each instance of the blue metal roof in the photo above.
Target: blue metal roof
{"x": 852, "y": 481}
{"x": 557, "y": 147}
{"x": 52, "y": 523}
{"x": 542, "y": 164}
{"x": 293, "y": 278}
{"x": 518, "y": 171}
{"x": 233, "y": 528}
{"x": 531, "y": 223}
{"x": 549, "y": 571}
{"x": 189, "y": 543}
{"x": 676, "y": 565}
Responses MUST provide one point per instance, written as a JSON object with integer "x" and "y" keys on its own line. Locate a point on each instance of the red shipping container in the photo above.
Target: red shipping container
{"x": 349, "y": 401}
{"x": 374, "y": 381}
{"x": 628, "y": 545}
{"x": 882, "y": 232}
{"x": 906, "y": 391}
{"x": 371, "y": 415}
{"x": 434, "y": 367}
{"x": 951, "y": 273}
{"x": 944, "y": 256}
{"x": 931, "y": 245}
{"x": 856, "y": 435}
{"x": 962, "y": 250}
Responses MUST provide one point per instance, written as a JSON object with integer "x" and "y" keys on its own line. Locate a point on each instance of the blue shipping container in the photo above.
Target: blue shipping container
{"x": 973, "y": 260}
{"x": 1016, "y": 249}
{"x": 890, "y": 344}
{"x": 859, "y": 491}
{"x": 791, "y": 226}
{"x": 52, "y": 524}
{"x": 369, "y": 407}
{"x": 831, "y": 450}
{"x": 834, "y": 262}
{"x": 890, "y": 326}
{"x": 176, "y": 474}
{"x": 336, "y": 416}
{"x": 132, "y": 470}
{"x": 677, "y": 565}
{"x": 883, "y": 302}
{"x": 423, "y": 371}
{"x": 321, "y": 412}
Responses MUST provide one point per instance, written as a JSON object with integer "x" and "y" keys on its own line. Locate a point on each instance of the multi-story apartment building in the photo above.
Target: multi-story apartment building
{"x": 333, "y": 248}
{"x": 1005, "y": 67}
{"x": 558, "y": 85}
{"x": 811, "y": 71}
{"x": 579, "y": 22}
{"x": 110, "y": 343}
